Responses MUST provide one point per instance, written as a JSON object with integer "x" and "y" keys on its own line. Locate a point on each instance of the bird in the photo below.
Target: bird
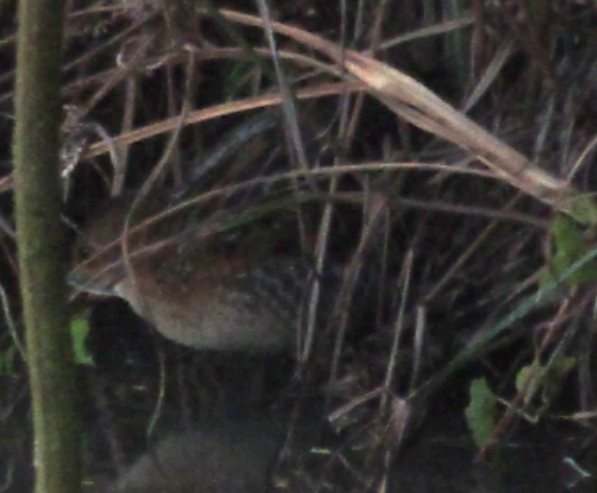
{"x": 211, "y": 294}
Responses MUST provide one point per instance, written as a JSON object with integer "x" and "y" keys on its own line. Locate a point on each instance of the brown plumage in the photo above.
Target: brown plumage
{"x": 201, "y": 293}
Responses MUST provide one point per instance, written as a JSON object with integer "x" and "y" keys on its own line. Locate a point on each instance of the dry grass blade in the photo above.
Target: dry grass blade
{"x": 423, "y": 108}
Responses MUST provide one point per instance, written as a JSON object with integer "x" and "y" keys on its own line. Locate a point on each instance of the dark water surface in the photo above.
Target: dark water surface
{"x": 232, "y": 456}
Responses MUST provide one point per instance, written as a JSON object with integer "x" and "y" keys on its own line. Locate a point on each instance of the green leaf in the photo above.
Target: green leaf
{"x": 535, "y": 374}
{"x": 79, "y": 330}
{"x": 481, "y": 412}
{"x": 546, "y": 378}
{"x": 570, "y": 246}
{"x": 582, "y": 208}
